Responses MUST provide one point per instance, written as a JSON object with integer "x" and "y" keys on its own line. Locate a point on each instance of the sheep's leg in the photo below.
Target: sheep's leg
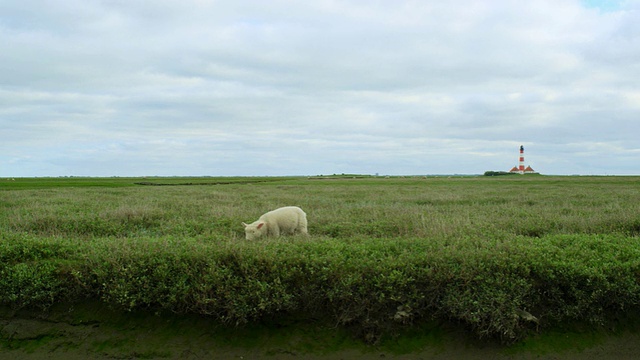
{"x": 275, "y": 231}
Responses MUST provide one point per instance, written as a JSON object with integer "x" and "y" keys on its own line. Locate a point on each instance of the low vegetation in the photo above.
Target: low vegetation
{"x": 502, "y": 257}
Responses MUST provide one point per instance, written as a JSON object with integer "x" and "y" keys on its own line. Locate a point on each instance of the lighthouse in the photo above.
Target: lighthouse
{"x": 521, "y": 169}
{"x": 521, "y": 162}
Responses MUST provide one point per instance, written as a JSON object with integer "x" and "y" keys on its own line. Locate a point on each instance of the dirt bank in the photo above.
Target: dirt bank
{"x": 91, "y": 332}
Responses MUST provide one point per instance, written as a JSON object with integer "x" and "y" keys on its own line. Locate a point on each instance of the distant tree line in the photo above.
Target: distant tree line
{"x": 498, "y": 173}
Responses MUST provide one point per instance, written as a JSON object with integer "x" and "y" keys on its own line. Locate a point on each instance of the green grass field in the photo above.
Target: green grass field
{"x": 503, "y": 257}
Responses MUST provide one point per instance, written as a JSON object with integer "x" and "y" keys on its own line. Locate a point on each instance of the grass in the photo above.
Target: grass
{"x": 385, "y": 256}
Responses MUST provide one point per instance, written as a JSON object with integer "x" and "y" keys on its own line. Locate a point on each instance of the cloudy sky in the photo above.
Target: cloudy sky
{"x": 283, "y": 87}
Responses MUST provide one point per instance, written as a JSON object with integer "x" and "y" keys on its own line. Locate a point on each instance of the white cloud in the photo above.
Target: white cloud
{"x": 283, "y": 87}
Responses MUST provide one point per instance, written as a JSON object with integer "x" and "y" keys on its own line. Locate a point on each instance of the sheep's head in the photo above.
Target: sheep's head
{"x": 255, "y": 230}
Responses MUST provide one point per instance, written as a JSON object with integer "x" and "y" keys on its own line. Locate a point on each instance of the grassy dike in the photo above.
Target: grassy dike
{"x": 500, "y": 260}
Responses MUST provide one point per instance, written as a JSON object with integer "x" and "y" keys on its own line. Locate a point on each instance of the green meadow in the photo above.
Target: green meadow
{"x": 503, "y": 258}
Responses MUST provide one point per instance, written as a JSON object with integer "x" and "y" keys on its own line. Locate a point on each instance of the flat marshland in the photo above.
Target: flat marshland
{"x": 504, "y": 258}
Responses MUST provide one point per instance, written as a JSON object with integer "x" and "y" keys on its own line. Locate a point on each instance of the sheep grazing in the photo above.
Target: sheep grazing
{"x": 285, "y": 220}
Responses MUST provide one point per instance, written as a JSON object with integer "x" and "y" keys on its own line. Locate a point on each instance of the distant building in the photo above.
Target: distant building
{"x": 521, "y": 169}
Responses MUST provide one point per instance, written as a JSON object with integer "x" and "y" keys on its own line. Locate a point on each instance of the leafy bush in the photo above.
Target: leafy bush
{"x": 373, "y": 286}
{"x": 32, "y": 271}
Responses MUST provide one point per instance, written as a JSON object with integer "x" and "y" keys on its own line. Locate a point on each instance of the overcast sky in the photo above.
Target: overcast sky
{"x": 133, "y": 88}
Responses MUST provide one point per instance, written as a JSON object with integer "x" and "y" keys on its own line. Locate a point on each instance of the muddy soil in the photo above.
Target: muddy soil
{"x": 91, "y": 332}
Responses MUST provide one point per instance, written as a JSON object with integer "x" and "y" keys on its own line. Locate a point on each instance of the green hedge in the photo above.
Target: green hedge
{"x": 503, "y": 288}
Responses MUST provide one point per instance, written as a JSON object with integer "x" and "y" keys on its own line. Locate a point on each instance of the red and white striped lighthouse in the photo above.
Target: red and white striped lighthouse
{"x": 520, "y": 169}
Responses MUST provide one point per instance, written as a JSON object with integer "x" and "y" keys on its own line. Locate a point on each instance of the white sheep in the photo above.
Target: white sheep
{"x": 285, "y": 220}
